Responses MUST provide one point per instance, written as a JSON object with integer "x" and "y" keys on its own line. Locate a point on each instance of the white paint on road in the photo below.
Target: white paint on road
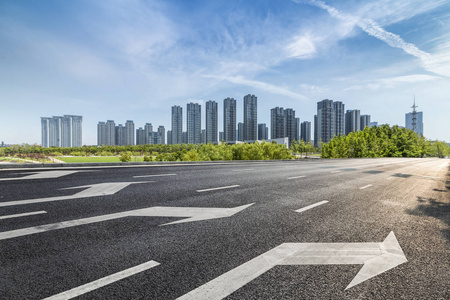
{"x": 432, "y": 177}
{"x": 156, "y": 175}
{"x": 23, "y": 214}
{"x": 86, "y": 288}
{"x": 295, "y": 177}
{"x": 94, "y": 190}
{"x": 218, "y": 188}
{"x": 333, "y": 172}
{"x": 376, "y": 258}
{"x": 365, "y": 187}
{"x": 191, "y": 213}
{"x": 311, "y": 206}
{"x": 389, "y": 178}
{"x": 42, "y": 175}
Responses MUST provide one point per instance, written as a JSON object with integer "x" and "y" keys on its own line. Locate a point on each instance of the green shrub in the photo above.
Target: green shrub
{"x": 125, "y": 156}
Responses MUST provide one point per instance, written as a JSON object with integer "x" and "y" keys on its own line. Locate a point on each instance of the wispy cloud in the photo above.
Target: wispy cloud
{"x": 430, "y": 62}
{"x": 261, "y": 86}
{"x": 391, "y": 82}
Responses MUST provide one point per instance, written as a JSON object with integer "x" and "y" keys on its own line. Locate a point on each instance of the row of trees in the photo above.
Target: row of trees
{"x": 383, "y": 141}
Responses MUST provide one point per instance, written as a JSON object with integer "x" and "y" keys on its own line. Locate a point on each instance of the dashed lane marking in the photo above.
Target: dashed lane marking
{"x": 311, "y": 206}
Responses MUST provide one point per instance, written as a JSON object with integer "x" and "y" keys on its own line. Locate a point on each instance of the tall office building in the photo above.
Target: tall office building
{"x": 203, "y": 136}
{"x": 240, "y": 132}
{"x": 177, "y": 125}
{"x": 339, "y": 113}
{"x": 211, "y": 121}
{"x": 352, "y": 121}
{"x": 129, "y": 133}
{"x": 324, "y": 128}
{"x": 194, "y": 125}
{"x": 162, "y": 133}
{"x": 185, "y": 137}
{"x": 148, "y": 129}
{"x": 250, "y": 117}
{"x": 229, "y": 120}
{"x": 221, "y": 136}
{"x": 169, "y": 137}
{"x": 101, "y": 133}
{"x": 140, "y": 136}
{"x": 291, "y": 124}
{"x": 263, "y": 132}
{"x": 364, "y": 122}
{"x": 306, "y": 131}
{"x": 110, "y": 133}
{"x": 277, "y": 123}
{"x": 63, "y": 131}
{"x": 297, "y": 129}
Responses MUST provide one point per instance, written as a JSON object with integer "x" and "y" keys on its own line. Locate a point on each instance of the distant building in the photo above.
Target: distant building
{"x": 101, "y": 133}
{"x": 193, "y": 123}
{"x": 177, "y": 125}
{"x": 229, "y": 120}
{"x": 140, "y": 136}
{"x": 148, "y": 129}
{"x": 250, "y": 117}
{"x": 306, "y": 131}
{"x": 240, "y": 132}
{"x": 63, "y": 131}
{"x": 203, "y": 141}
{"x": 297, "y": 129}
{"x": 169, "y": 137}
{"x": 162, "y": 134}
{"x": 364, "y": 121}
{"x": 339, "y": 124}
{"x": 110, "y": 133}
{"x": 129, "y": 133}
{"x": 185, "y": 137}
{"x": 211, "y": 121}
{"x": 414, "y": 120}
{"x": 221, "y": 136}
{"x": 324, "y": 122}
{"x": 352, "y": 121}
{"x": 373, "y": 124}
{"x": 121, "y": 133}
{"x": 277, "y": 123}
{"x": 263, "y": 132}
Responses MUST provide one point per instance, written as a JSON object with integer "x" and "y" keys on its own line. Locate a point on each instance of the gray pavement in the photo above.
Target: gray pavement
{"x": 248, "y": 230}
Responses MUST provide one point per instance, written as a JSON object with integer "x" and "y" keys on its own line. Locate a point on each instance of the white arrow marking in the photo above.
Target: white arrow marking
{"x": 86, "y": 288}
{"x": 375, "y": 257}
{"x": 365, "y": 187}
{"x": 94, "y": 190}
{"x": 42, "y": 175}
{"x": 191, "y": 213}
{"x": 311, "y": 206}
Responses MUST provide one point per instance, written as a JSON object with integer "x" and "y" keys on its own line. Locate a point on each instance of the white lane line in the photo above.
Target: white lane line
{"x": 23, "y": 215}
{"x": 302, "y": 176}
{"x": 156, "y": 175}
{"x": 365, "y": 187}
{"x": 86, "y": 288}
{"x": 239, "y": 170}
{"x": 218, "y": 188}
{"x": 311, "y": 206}
{"x": 332, "y": 172}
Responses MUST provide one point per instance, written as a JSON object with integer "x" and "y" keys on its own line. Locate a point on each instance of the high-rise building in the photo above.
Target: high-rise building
{"x": 63, "y": 131}
{"x": 297, "y": 129}
{"x": 277, "y": 123}
{"x": 373, "y": 124}
{"x": 229, "y": 120}
{"x": 101, "y": 133}
{"x": 121, "y": 135}
{"x": 306, "y": 131}
{"x": 211, "y": 121}
{"x": 169, "y": 137}
{"x": 129, "y": 133}
{"x": 185, "y": 137}
{"x": 221, "y": 136}
{"x": 364, "y": 122}
{"x": 240, "y": 132}
{"x": 140, "y": 136}
{"x": 352, "y": 121}
{"x": 339, "y": 124}
{"x": 250, "y": 117}
{"x": 194, "y": 128}
{"x": 203, "y": 136}
{"x": 177, "y": 125}
{"x": 290, "y": 125}
{"x": 110, "y": 133}
{"x": 414, "y": 119}
{"x": 324, "y": 128}
{"x": 162, "y": 133}
{"x": 263, "y": 132}
{"x": 148, "y": 129}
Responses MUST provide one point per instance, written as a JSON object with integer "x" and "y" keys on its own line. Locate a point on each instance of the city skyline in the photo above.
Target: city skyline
{"x": 136, "y": 60}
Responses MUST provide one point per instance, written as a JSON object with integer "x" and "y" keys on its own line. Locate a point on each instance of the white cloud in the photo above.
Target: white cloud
{"x": 392, "y": 82}
{"x": 301, "y": 48}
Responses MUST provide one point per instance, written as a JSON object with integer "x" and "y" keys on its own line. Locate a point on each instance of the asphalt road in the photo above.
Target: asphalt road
{"x": 109, "y": 239}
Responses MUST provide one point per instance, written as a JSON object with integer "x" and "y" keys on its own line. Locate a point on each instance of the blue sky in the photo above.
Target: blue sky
{"x": 133, "y": 60}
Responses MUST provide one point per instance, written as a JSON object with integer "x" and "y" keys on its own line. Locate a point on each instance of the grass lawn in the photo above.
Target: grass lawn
{"x": 94, "y": 159}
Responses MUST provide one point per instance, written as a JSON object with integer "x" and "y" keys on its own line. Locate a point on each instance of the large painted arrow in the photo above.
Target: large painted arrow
{"x": 42, "y": 175}
{"x": 93, "y": 190}
{"x": 376, "y": 258}
{"x": 192, "y": 213}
